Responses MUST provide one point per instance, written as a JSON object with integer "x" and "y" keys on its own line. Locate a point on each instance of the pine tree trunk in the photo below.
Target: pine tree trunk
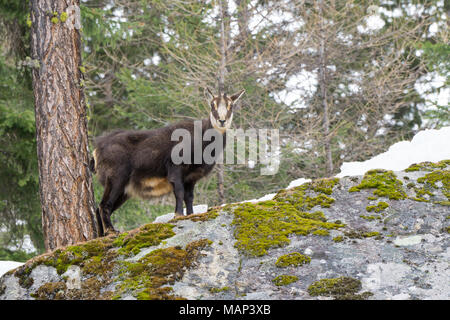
{"x": 323, "y": 93}
{"x": 66, "y": 192}
{"x": 223, "y": 8}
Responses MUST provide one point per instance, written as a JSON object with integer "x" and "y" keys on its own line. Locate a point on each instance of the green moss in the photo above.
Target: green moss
{"x": 209, "y": 215}
{"x": 431, "y": 179}
{"x": 268, "y": 224}
{"x": 410, "y": 185}
{"x": 54, "y": 20}
{"x": 323, "y": 233}
{"x": 146, "y": 277}
{"x": 219, "y": 290}
{"x": 292, "y": 259}
{"x": 342, "y": 288}
{"x": 429, "y": 183}
{"x": 299, "y": 198}
{"x": 148, "y": 235}
{"x": 98, "y": 258}
{"x": 322, "y": 185}
{"x": 338, "y": 239}
{"x": 370, "y": 218}
{"x": 63, "y": 16}
{"x": 95, "y": 252}
{"x": 23, "y": 274}
{"x": 284, "y": 280}
{"x": 428, "y": 166}
{"x": 119, "y": 241}
{"x": 164, "y": 293}
{"x": 358, "y": 234}
{"x": 50, "y": 291}
{"x": 371, "y": 234}
{"x": 378, "y": 208}
{"x": 95, "y": 257}
{"x": 384, "y": 182}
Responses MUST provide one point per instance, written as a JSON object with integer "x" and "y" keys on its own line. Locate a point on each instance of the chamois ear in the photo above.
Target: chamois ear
{"x": 208, "y": 94}
{"x": 235, "y": 97}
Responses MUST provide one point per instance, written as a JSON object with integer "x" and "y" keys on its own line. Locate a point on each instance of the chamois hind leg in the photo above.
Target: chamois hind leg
{"x": 113, "y": 194}
{"x": 99, "y": 222}
{"x": 120, "y": 201}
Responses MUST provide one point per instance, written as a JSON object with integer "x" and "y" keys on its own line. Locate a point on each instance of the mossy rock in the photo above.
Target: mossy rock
{"x": 381, "y": 206}
{"x": 212, "y": 213}
{"x": 293, "y": 259}
{"x": 149, "y": 235}
{"x": 309, "y": 195}
{"x": 360, "y": 234}
{"x": 219, "y": 290}
{"x": 342, "y": 288}
{"x": 428, "y": 166}
{"x": 268, "y": 224}
{"x": 149, "y": 277}
{"x": 284, "y": 280}
{"x": 51, "y": 291}
{"x": 384, "y": 183}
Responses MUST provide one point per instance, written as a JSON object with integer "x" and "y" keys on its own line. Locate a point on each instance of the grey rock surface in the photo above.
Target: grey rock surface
{"x": 407, "y": 257}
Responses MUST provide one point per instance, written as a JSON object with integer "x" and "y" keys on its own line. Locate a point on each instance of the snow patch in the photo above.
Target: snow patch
{"x": 428, "y": 145}
{"x": 6, "y": 266}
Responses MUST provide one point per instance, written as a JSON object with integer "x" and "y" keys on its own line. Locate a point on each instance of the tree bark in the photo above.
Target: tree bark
{"x": 66, "y": 192}
{"x": 323, "y": 92}
{"x": 223, "y": 8}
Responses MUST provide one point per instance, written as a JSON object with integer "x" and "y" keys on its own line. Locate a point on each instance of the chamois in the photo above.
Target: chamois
{"x": 131, "y": 163}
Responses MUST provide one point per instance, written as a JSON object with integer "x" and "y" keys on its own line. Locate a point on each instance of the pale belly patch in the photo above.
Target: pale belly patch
{"x": 95, "y": 159}
{"x": 149, "y": 188}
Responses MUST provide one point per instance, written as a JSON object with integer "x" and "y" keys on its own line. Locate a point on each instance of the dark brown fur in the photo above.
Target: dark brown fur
{"x": 139, "y": 162}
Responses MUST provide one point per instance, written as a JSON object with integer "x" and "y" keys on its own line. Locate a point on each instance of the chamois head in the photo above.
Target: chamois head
{"x": 222, "y": 109}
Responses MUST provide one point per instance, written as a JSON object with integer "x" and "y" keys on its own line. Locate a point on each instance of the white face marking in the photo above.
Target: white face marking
{"x": 222, "y": 111}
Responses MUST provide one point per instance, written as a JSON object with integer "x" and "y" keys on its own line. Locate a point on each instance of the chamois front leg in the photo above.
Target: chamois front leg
{"x": 189, "y": 197}
{"x": 175, "y": 178}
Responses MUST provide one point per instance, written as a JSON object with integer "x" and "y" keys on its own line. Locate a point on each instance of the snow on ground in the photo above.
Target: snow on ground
{"x": 428, "y": 145}
{"x": 298, "y": 182}
{"x": 5, "y": 266}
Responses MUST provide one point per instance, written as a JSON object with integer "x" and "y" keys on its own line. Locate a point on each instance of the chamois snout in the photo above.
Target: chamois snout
{"x": 221, "y": 114}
